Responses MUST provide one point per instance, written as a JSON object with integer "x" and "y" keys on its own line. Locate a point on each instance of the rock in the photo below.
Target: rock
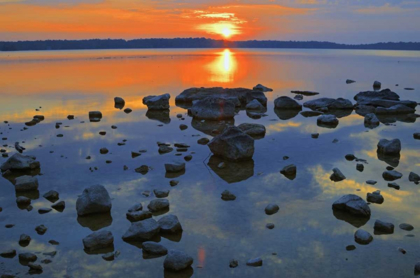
{"x": 350, "y": 157}
{"x": 381, "y": 227}
{"x": 135, "y": 216}
{"x": 177, "y": 261}
{"x": 174, "y": 167}
{"x": 362, "y": 237}
{"x": 173, "y": 183}
{"x": 289, "y": 171}
{"x": 188, "y": 157}
{"x": 254, "y": 262}
{"x": 165, "y": 149}
{"x": 232, "y": 144}
{"x": 143, "y": 169}
{"x": 154, "y": 248}
{"x": 128, "y": 110}
{"x": 233, "y": 263}
{"x": 136, "y": 207}
{"x": 44, "y": 210}
{"x": 305, "y": 93}
{"x": 329, "y": 103}
{"x": 41, "y": 229}
{"x": 213, "y": 108}
{"x": 414, "y": 177}
{"x": 298, "y": 97}
{"x": 391, "y": 175}
{"x": 309, "y": 113}
{"x": 349, "y": 81}
{"x": 183, "y": 127}
{"x": 255, "y": 105}
{"x": 286, "y": 103}
{"x": 253, "y": 130}
{"x": 377, "y": 85}
{"x": 394, "y": 110}
{"x": 329, "y": 121}
{"x": 394, "y": 185}
{"x": 103, "y": 151}
{"x": 270, "y": 226}
{"x": 95, "y": 116}
{"x": 51, "y": 196}
{"x": 350, "y": 247}
{"x": 203, "y": 141}
{"x": 26, "y": 183}
{"x": 271, "y": 209}
{"x": 360, "y": 167}
{"x": 315, "y": 135}
{"x": 157, "y": 102}
{"x": 60, "y": 206}
{"x": 337, "y": 175}
{"x": 406, "y": 227}
{"x": 94, "y": 199}
{"x": 98, "y": 240}
{"x": 119, "y": 102}
{"x": 371, "y": 182}
{"x": 24, "y": 240}
{"x": 23, "y": 201}
{"x": 371, "y": 120}
{"x": 228, "y": 196}
{"x": 20, "y": 162}
{"x": 352, "y": 204}
{"x": 70, "y": 117}
{"x": 11, "y": 253}
{"x": 262, "y": 88}
{"x": 375, "y": 197}
{"x": 158, "y": 205}
{"x": 170, "y": 224}
{"x": 161, "y": 193}
{"x": 27, "y": 257}
{"x": 142, "y": 230}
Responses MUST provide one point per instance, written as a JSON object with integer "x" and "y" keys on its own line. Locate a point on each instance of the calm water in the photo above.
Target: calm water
{"x": 308, "y": 240}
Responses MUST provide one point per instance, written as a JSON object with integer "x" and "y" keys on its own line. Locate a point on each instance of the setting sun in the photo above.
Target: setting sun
{"x": 226, "y": 32}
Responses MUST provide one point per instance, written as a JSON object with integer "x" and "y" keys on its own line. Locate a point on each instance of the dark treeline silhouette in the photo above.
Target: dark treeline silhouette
{"x": 193, "y": 43}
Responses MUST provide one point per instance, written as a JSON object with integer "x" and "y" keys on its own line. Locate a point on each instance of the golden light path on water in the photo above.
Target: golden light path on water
{"x": 223, "y": 68}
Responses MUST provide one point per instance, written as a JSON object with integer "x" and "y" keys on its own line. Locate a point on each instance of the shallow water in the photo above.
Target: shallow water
{"x": 308, "y": 239}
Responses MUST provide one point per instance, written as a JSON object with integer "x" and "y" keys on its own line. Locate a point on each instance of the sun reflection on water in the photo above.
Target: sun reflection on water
{"x": 223, "y": 68}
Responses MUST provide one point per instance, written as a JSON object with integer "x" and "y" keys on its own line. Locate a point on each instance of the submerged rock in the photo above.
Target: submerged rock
{"x": 213, "y": 108}
{"x": 395, "y": 110}
{"x": 352, "y": 204}
{"x": 255, "y": 262}
{"x": 289, "y": 171}
{"x": 94, "y": 199}
{"x": 174, "y": 167}
{"x": 158, "y": 205}
{"x": 233, "y": 144}
{"x": 98, "y": 240}
{"x": 177, "y": 260}
{"x": 20, "y": 162}
{"x": 406, "y": 227}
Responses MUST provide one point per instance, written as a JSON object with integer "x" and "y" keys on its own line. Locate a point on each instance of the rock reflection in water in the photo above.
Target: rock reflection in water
{"x": 392, "y": 160}
{"x": 95, "y": 222}
{"x": 286, "y": 114}
{"x": 186, "y": 273}
{"x": 208, "y": 127}
{"x": 349, "y": 218}
{"x": 159, "y": 115}
{"x": 232, "y": 171}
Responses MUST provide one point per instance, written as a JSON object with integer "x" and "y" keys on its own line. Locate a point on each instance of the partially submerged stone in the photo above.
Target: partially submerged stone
{"x": 98, "y": 240}
{"x": 337, "y": 175}
{"x": 391, "y": 175}
{"x": 20, "y": 162}
{"x": 158, "y": 205}
{"x": 228, "y": 196}
{"x": 352, "y": 204}
{"x": 170, "y": 224}
{"x": 256, "y": 131}
{"x": 154, "y": 248}
{"x": 271, "y": 209}
{"x": 160, "y": 102}
{"x": 213, "y": 108}
{"x": 262, "y": 88}
{"x": 26, "y": 183}
{"x": 142, "y": 230}
{"x": 382, "y": 227}
{"x": 177, "y": 260}
{"x": 363, "y": 237}
{"x": 375, "y": 197}
{"x": 286, "y": 103}
{"x": 233, "y": 144}
{"x": 94, "y": 199}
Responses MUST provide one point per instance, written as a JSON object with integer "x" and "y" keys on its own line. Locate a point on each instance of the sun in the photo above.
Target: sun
{"x": 226, "y": 32}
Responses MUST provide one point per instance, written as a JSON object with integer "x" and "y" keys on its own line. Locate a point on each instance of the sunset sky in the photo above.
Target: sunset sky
{"x": 347, "y": 21}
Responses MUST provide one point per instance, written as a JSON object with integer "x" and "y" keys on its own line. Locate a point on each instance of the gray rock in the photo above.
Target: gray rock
{"x": 158, "y": 205}
{"x": 165, "y": 149}
{"x": 51, "y": 196}
{"x": 8, "y": 253}
{"x": 174, "y": 167}
{"x": 349, "y": 81}
{"x": 232, "y": 144}
{"x": 253, "y": 130}
{"x": 26, "y": 183}
{"x": 271, "y": 209}
{"x": 327, "y": 121}
{"x": 391, "y": 175}
{"x": 289, "y": 171}
{"x": 360, "y": 167}
{"x": 95, "y": 116}
{"x": 414, "y": 177}
{"x": 41, "y": 229}
{"x": 142, "y": 230}
{"x": 94, "y": 199}
{"x": 369, "y": 95}
{"x": 371, "y": 182}
{"x": 98, "y": 240}
{"x": 161, "y": 193}
{"x": 136, "y": 207}
{"x": 337, "y": 175}
{"x": 109, "y": 256}
{"x": 377, "y": 85}
{"x": 154, "y": 248}
{"x": 406, "y": 227}
{"x": 375, "y": 197}
{"x": 255, "y": 262}
{"x": 416, "y": 136}
{"x": 20, "y": 162}
{"x": 44, "y": 210}
{"x": 352, "y": 204}
{"x": 286, "y": 103}
{"x": 255, "y": 105}
{"x": 381, "y": 227}
{"x": 210, "y": 109}
{"x": 177, "y": 260}
{"x": 305, "y": 93}
{"x": 135, "y": 216}
{"x": 371, "y": 120}
{"x": 236, "y": 95}
{"x": 157, "y": 102}
{"x": 119, "y": 101}
{"x": 170, "y": 224}
{"x": 228, "y": 196}
{"x": 330, "y": 103}
{"x": 362, "y": 237}
{"x": 270, "y": 226}
{"x": 262, "y": 88}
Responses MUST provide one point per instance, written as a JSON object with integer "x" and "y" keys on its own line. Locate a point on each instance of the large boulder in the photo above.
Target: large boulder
{"x": 160, "y": 102}
{"x": 177, "y": 260}
{"x": 213, "y": 108}
{"x": 352, "y": 204}
{"x": 286, "y": 103}
{"x": 142, "y": 230}
{"x": 233, "y": 144}
{"x": 98, "y": 240}
{"x": 20, "y": 162}
{"x": 94, "y": 199}
{"x": 389, "y": 147}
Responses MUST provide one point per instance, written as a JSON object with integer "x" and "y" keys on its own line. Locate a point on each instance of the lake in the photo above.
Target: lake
{"x": 308, "y": 239}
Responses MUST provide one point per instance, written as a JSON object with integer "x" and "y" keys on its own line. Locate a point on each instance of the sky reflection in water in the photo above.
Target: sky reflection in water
{"x": 309, "y": 239}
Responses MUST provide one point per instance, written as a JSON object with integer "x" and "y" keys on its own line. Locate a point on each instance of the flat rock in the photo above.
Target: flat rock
{"x": 154, "y": 248}
{"x": 174, "y": 167}
{"x": 135, "y": 216}
{"x": 161, "y": 193}
{"x": 382, "y": 227}
{"x": 406, "y": 227}
{"x": 210, "y": 109}
{"x": 327, "y": 121}
{"x": 158, "y": 205}
{"x": 255, "y": 262}
{"x": 228, "y": 196}
{"x": 253, "y": 130}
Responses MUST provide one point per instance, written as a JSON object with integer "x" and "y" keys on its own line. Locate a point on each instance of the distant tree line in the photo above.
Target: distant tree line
{"x": 193, "y": 43}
